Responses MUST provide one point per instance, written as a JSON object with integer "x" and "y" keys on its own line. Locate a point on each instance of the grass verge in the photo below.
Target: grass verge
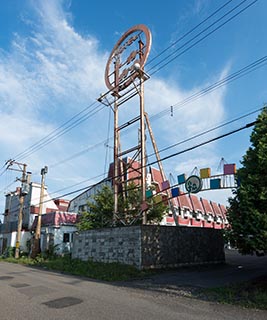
{"x": 96, "y": 270}
{"x": 250, "y": 294}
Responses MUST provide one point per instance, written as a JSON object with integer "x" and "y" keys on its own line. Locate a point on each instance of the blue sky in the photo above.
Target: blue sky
{"x": 53, "y": 55}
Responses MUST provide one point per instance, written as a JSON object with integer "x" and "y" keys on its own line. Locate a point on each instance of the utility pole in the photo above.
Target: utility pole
{"x": 36, "y": 244}
{"x": 23, "y": 191}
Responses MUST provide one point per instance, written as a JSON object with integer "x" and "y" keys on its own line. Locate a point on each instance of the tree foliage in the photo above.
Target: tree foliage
{"x": 99, "y": 212}
{"x": 248, "y": 208}
{"x": 101, "y": 206}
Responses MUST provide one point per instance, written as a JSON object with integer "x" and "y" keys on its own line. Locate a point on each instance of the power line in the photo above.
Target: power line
{"x": 166, "y": 148}
{"x": 236, "y": 75}
{"x": 59, "y": 133}
{"x": 228, "y": 79}
{"x": 206, "y": 142}
{"x": 186, "y": 140}
{"x": 232, "y": 77}
{"x": 54, "y": 135}
{"x": 188, "y": 33}
{"x": 204, "y": 37}
{"x": 248, "y": 125}
{"x": 208, "y": 131}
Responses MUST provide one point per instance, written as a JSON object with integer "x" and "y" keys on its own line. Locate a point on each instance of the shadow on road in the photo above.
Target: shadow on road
{"x": 187, "y": 281}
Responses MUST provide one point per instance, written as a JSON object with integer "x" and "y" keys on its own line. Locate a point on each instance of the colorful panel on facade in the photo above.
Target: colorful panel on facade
{"x": 158, "y": 198}
{"x": 149, "y": 193}
{"x": 175, "y": 192}
{"x": 144, "y": 206}
{"x": 229, "y": 168}
{"x": 204, "y": 173}
{"x": 181, "y": 178}
{"x": 215, "y": 183}
{"x": 165, "y": 185}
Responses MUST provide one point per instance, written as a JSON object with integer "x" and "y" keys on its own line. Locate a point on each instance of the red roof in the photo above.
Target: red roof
{"x": 184, "y": 202}
{"x": 56, "y": 219}
{"x": 207, "y": 206}
{"x": 223, "y": 210}
{"x": 62, "y": 204}
{"x": 196, "y": 204}
{"x": 216, "y": 208}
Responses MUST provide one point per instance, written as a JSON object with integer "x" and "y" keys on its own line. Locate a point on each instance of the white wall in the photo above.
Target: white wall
{"x": 83, "y": 198}
{"x": 57, "y": 233}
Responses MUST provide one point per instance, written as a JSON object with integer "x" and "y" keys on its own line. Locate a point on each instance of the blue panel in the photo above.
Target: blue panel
{"x": 149, "y": 193}
{"x": 181, "y": 178}
{"x": 215, "y": 183}
{"x": 175, "y": 192}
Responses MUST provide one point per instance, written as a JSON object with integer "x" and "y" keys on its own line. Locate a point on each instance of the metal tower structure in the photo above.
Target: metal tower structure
{"x": 125, "y": 77}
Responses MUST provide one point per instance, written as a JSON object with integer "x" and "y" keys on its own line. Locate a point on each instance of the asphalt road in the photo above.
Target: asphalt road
{"x": 34, "y": 294}
{"x": 237, "y": 268}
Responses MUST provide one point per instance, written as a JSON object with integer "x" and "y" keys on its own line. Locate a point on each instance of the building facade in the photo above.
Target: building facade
{"x": 8, "y": 231}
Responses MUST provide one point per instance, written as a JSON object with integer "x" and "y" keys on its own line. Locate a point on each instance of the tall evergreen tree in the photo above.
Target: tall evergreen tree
{"x": 248, "y": 208}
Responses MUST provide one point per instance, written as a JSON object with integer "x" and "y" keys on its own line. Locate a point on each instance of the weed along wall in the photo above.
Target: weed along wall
{"x": 151, "y": 246}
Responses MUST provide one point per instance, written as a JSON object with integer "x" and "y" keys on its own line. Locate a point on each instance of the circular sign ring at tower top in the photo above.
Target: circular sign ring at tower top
{"x": 131, "y": 49}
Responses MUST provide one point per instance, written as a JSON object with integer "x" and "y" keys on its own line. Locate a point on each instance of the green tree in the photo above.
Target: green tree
{"x": 100, "y": 209}
{"x": 248, "y": 208}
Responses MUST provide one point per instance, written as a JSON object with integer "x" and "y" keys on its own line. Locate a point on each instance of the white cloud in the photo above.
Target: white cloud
{"x": 53, "y": 72}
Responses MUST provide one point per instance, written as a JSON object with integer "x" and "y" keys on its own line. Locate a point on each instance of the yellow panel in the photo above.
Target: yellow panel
{"x": 204, "y": 173}
{"x": 158, "y": 198}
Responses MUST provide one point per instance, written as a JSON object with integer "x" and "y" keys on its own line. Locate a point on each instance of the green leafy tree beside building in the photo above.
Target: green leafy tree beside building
{"x": 100, "y": 209}
{"x": 248, "y": 208}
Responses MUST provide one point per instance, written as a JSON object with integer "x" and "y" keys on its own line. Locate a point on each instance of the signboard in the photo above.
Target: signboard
{"x": 127, "y": 58}
{"x": 193, "y": 184}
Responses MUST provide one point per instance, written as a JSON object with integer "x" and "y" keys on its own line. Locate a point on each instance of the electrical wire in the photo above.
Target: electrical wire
{"x": 189, "y": 32}
{"x": 228, "y": 79}
{"x": 232, "y": 77}
{"x": 46, "y": 140}
{"x": 208, "y": 131}
{"x": 203, "y": 38}
{"x": 60, "y": 133}
{"x": 236, "y": 75}
{"x": 248, "y": 125}
{"x": 54, "y": 131}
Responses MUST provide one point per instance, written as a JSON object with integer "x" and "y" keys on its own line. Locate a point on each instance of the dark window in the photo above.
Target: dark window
{"x": 66, "y": 237}
{"x": 82, "y": 208}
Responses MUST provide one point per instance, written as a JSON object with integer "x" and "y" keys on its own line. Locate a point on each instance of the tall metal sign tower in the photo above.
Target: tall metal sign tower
{"x": 125, "y": 77}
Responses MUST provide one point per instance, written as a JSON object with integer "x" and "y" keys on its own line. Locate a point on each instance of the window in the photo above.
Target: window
{"x": 82, "y": 208}
{"x": 66, "y": 237}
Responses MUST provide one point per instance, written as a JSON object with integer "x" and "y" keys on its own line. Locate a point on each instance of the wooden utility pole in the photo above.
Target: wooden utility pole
{"x": 36, "y": 249}
{"x": 116, "y": 143}
{"x": 163, "y": 176}
{"x": 23, "y": 191}
{"x": 21, "y": 204}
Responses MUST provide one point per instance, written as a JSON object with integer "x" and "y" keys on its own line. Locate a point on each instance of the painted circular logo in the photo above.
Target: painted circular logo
{"x": 131, "y": 50}
{"x": 193, "y": 184}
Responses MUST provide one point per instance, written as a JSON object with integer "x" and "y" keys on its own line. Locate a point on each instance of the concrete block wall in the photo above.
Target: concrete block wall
{"x": 151, "y": 246}
{"x": 166, "y": 247}
{"x": 109, "y": 245}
